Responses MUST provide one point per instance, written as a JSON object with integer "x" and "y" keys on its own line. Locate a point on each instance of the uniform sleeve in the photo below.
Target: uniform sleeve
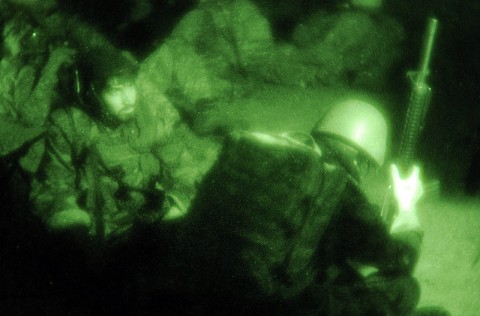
{"x": 404, "y": 251}
{"x": 36, "y": 100}
{"x": 23, "y": 87}
{"x": 14, "y": 88}
{"x": 54, "y": 188}
{"x": 186, "y": 159}
{"x": 365, "y": 237}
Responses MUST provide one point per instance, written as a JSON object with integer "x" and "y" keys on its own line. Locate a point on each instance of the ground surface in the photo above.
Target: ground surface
{"x": 449, "y": 267}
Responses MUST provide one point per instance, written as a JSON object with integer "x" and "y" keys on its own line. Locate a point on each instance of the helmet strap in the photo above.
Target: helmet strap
{"x": 345, "y": 159}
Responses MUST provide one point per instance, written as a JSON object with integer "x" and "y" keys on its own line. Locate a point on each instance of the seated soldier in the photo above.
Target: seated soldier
{"x": 101, "y": 172}
{"x": 29, "y": 75}
{"x": 281, "y": 225}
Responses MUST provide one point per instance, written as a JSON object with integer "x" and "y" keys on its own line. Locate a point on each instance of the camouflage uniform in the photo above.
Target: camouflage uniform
{"x": 284, "y": 230}
{"x": 24, "y": 105}
{"x": 28, "y": 90}
{"x": 100, "y": 169}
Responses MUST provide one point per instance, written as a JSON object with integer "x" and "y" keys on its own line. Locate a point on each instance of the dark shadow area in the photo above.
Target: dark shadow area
{"x": 136, "y": 26}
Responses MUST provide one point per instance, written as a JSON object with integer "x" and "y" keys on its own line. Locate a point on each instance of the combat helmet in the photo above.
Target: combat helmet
{"x": 358, "y": 124}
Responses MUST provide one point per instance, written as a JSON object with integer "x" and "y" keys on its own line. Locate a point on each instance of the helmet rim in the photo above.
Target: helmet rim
{"x": 347, "y": 142}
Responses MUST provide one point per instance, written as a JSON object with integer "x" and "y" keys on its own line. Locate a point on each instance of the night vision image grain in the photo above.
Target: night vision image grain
{"x": 240, "y": 157}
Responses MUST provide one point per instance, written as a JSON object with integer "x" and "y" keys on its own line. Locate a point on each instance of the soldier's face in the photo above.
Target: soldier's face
{"x": 120, "y": 99}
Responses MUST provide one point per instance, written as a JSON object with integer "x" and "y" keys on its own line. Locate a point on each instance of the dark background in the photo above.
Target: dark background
{"x": 38, "y": 265}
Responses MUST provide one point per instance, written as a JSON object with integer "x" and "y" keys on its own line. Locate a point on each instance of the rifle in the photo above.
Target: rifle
{"x": 417, "y": 109}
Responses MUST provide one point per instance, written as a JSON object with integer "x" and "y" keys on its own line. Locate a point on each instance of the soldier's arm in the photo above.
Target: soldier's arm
{"x": 369, "y": 241}
{"x": 39, "y": 98}
{"x": 54, "y": 192}
{"x": 186, "y": 158}
{"x": 406, "y": 229}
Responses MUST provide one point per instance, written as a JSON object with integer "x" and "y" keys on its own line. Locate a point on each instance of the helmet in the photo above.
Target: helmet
{"x": 359, "y": 124}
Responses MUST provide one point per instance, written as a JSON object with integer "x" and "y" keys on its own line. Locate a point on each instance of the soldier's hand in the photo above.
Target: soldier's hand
{"x": 70, "y": 219}
{"x": 174, "y": 213}
{"x": 72, "y": 228}
{"x": 407, "y": 192}
{"x": 174, "y": 208}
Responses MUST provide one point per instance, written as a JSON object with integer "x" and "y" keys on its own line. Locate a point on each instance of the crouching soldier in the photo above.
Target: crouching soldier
{"x": 281, "y": 225}
{"x": 364, "y": 267}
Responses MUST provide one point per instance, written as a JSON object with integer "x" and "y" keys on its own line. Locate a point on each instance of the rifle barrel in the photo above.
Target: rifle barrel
{"x": 427, "y": 49}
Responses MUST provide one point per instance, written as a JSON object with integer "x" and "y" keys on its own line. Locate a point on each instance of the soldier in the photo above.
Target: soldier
{"x": 102, "y": 171}
{"x": 29, "y": 71}
{"x": 365, "y": 267}
{"x": 283, "y": 226}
